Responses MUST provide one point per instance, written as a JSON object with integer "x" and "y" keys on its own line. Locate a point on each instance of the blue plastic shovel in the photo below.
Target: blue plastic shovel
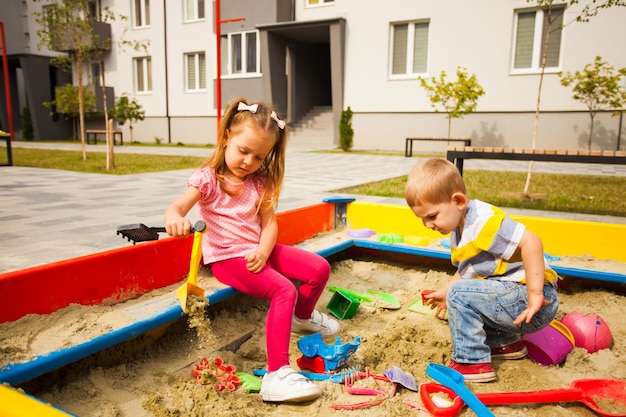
{"x": 455, "y": 381}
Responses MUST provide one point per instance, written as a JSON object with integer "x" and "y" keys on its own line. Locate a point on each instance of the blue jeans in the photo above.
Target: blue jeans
{"x": 481, "y": 314}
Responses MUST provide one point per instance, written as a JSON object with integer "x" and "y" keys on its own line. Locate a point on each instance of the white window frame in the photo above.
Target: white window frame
{"x": 141, "y": 17}
{"x": 194, "y": 10}
{"x": 318, "y": 3}
{"x": 228, "y": 55}
{"x": 146, "y": 74}
{"x": 410, "y": 72}
{"x": 537, "y": 47}
{"x": 199, "y": 72}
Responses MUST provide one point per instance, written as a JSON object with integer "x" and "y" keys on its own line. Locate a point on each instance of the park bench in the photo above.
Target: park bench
{"x": 93, "y": 133}
{"x": 457, "y": 154}
{"x": 408, "y": 144}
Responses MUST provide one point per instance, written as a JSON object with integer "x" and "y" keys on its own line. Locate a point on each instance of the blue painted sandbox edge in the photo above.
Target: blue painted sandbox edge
{"x": 439, "y": 254}
{"x": 15, "y": 374}
{"x": 18, "y": 373}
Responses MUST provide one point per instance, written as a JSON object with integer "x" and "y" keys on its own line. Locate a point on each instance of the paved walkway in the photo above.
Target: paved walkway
{"x": 52, "y": 215}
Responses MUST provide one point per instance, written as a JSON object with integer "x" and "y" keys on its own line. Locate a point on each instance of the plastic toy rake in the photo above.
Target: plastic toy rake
{"x": 139, "y": 232}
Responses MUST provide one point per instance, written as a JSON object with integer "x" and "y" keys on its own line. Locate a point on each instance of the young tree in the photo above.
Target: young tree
{"x": 68, "y": 25}
{"x": 456, "y": 98}
{"x": 127, "y": 109}
{"x": 598, "y": 86}
{"x": 71, "y": 26}
{"x": 588, "y": 11}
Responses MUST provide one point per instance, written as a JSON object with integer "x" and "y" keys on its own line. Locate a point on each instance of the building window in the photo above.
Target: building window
{"x": 194, "y": 10}
{"x": 143, "y": 75}
{"x": 531, "y": 29}
{"x": 318, "y": 2}
{"x": 141, "y": 13}
{"x": 49, "y": 16}
{"x": 409, "y": 49}
{"x": 95, "y": 74}
{"x": 240, "y": 52}
{"x": 195, "y": 68}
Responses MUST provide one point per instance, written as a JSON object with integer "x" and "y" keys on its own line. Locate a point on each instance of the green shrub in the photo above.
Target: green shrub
{"x": 28, "y": 133}
{"x": 346, "y": 133}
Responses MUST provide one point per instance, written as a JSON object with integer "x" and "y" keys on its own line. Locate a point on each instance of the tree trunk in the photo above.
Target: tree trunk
{"x": 591, "y": 116}
{"x": 544, "y": 58}
{"x": 81, "y": 105}
{"x": 110, "y": 141}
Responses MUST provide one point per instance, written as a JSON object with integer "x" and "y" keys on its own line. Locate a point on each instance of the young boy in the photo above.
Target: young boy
{"x": 502, "y": 288}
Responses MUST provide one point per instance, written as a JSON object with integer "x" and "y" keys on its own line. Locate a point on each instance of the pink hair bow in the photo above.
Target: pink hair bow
{"x": 252, "y": 108}
{"x": 280, "y": 123}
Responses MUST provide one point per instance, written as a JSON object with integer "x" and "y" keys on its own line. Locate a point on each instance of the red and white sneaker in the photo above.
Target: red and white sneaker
{"x": 515, "y": 350}
{"x": 474, "y": 372}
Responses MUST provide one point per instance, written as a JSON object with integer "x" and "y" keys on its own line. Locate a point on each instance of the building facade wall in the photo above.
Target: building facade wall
{"x": 479, "y": 39}
{"x": 386, "y": 109}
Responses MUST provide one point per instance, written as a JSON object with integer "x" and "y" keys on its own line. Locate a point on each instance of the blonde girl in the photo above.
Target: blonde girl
{"x": 236, "y": 190}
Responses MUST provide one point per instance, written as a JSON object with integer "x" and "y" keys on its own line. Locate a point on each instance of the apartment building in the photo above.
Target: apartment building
{"x": 331, "y": 54}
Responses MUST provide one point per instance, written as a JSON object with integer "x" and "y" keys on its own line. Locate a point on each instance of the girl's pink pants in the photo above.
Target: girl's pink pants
{"x": 276, "y": 284}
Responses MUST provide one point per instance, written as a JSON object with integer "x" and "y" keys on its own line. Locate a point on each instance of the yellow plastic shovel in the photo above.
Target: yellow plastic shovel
{"x": 191, "y": 286}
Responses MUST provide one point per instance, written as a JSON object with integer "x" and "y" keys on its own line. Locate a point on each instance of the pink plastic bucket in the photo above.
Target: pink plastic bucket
{"x": 550, "y": 345}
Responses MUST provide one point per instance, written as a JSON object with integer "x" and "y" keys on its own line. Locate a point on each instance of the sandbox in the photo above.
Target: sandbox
{"x": 139, "y": 283}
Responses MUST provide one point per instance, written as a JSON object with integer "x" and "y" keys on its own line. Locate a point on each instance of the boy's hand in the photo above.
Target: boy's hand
{"x": 255, "y": 262}
{"x": 437, "y": 301}
{"x": 535, "y": 303}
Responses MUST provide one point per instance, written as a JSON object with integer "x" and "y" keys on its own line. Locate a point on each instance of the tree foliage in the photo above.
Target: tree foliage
{"x": 598, "y": 86}
{"x": 68, "y": 104}
{"x": 127, "y": 109}
{"x": 456, "y": 98}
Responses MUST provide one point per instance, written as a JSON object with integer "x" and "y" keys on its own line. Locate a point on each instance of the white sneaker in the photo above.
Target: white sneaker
{"x": 286, "y": 384}
{"x": 318, "y": 323}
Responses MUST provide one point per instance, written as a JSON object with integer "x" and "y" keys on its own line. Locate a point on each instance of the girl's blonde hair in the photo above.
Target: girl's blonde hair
{"x": 433, "y": 181}
{"x": 273, "y": 166}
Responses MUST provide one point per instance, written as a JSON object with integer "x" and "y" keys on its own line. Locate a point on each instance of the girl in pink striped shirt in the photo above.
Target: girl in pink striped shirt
{"x": 237, "y": 190}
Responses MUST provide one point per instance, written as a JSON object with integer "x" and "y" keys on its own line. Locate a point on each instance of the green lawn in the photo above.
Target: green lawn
{"x": 583, "y": 194}
{"x": 96, "y": 161}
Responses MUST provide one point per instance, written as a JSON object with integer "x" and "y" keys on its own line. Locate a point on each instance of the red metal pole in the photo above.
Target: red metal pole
{"x": 218, "y": 60}
{"x": 7, "y": 90}
{"x": 218, "y": 82}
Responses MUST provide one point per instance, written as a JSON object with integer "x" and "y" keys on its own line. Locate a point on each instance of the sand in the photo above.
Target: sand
{"x": 151, "y": 375}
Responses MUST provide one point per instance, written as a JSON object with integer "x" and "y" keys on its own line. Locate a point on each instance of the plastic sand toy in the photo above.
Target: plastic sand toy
{"x": 333, "y": 356}
{"x": 217, "y": 373}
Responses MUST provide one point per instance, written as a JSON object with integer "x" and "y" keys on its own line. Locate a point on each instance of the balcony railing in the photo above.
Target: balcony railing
{"x": 77, "y": 37}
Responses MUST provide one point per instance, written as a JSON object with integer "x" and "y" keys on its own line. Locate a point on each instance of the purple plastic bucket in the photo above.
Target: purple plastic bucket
{"x": 550, "y": 345}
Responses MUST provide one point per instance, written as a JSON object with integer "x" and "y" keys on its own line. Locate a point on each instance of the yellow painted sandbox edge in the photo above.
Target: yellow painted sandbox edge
{"x": 14, "y": 403}
{"x": 560, "y": 237}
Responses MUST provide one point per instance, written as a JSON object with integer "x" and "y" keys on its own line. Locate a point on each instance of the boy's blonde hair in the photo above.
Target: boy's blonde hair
{"x": 273, "y": 166}
{"x": 433, "y": 181}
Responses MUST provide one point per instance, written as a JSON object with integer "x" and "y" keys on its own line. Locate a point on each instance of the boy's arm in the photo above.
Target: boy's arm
{"x": 531, "y": 249}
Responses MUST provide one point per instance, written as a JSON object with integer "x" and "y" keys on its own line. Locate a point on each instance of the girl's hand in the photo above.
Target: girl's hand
{"x": 255, "y": 262}
{"x": 178, "y": 227}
